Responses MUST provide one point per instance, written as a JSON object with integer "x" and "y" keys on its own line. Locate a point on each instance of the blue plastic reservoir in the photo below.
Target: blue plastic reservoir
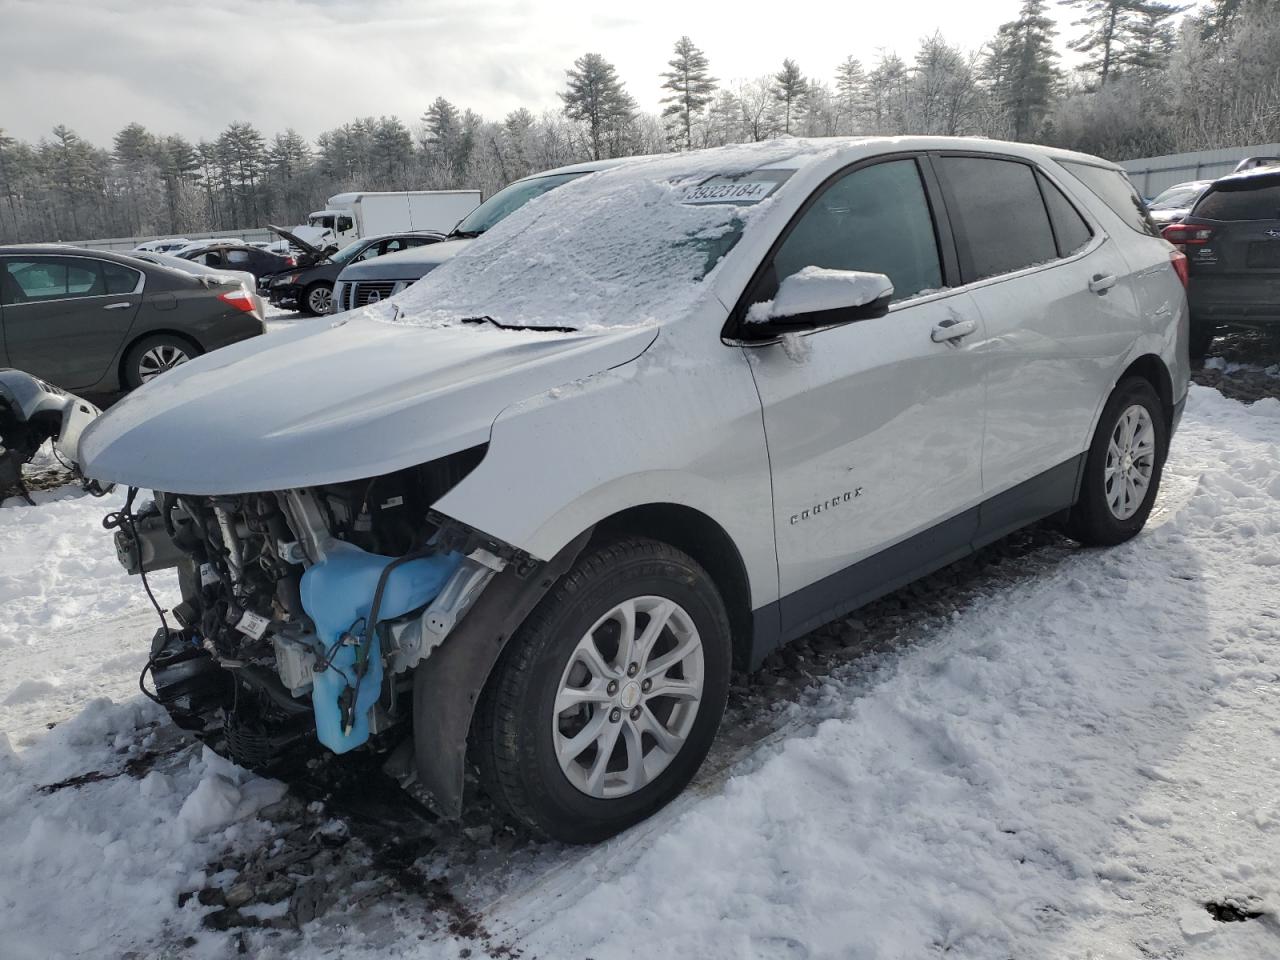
{"x": 337, "y": 594}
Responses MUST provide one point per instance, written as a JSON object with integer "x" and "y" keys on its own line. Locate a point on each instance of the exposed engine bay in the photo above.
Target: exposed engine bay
{"x": 304, "y": 612}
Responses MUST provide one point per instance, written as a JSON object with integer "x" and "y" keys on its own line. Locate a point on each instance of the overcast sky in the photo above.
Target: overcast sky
{"x": 178, "y": 66}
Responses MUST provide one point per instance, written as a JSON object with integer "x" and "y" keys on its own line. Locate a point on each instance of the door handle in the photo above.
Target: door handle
{"x": 952, "y": 329}
{"x": 117, "y": 306}
{"x": 1100, "y": 284}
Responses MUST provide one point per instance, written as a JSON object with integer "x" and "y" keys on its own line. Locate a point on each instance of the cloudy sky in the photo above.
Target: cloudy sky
{"x": 179, "y": 66}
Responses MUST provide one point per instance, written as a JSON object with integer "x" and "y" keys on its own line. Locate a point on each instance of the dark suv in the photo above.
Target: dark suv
{"x": 1232, "y": 241}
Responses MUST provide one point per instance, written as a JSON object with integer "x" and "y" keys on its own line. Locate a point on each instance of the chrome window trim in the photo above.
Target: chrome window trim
{"x": 23, "y": 257}
{"x": 1100, "y": 236}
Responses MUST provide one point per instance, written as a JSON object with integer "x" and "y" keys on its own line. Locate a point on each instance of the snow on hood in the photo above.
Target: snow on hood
{"x": 327, "y": 403}
{"x": 624, "y": 246}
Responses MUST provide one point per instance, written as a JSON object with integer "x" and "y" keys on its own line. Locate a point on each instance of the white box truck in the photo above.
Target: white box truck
{"x": 350, "y": 216}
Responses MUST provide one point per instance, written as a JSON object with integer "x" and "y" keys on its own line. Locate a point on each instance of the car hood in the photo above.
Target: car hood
{"x": 406, "y": 265}
{"x": 328, "y": 403}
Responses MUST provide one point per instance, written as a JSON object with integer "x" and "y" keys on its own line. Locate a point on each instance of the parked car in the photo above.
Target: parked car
{"x": 1172, "y": 205}
{"x": 240, "y": 256}
{"x": 310, "y": 288}
{"x": 98, "y": 323}
{"x": 1232, "y": 241}
{"x": 161, "y": 246}
{"x": 202, "y": 243}
{"x": 370, "y": 281}
{"x": 661, "y": 421}
{"x": 249, "y": 281}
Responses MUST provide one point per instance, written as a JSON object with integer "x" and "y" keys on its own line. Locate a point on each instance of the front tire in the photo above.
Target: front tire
{"x": 1123, "y": 468}
{"x": 318, "y": 299}
{"x": 608, "y": 697}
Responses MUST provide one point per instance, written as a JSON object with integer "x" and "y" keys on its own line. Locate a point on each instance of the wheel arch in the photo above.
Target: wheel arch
{"x": 1151, "y": 368}
{"x": 703, "y": 539}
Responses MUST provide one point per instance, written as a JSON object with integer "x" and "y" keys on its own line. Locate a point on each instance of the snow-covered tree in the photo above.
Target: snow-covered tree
{"x": 692, "y": 88}
{"x": 598, "y": 100}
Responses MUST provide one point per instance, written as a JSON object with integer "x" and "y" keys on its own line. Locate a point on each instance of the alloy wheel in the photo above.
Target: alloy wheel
{"x": 1131, "y": 459}
{"x": 628, "y": 697}
{"x": 162, "y": 357}
{"x": 320, "y": 299}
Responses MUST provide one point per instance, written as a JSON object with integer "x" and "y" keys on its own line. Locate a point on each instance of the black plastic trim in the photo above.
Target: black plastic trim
{"x": 794, "y": 615}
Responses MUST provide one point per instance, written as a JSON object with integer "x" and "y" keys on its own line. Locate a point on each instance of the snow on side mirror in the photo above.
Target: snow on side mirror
{"x": 816, "y": 296}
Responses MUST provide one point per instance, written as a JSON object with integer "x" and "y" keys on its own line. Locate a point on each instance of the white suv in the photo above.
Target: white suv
{"x": 655, "y": 424}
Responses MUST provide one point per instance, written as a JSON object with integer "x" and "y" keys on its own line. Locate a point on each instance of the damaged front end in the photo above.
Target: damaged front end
{"x": 31, "y": 413}
{"x": 304, "y": 612}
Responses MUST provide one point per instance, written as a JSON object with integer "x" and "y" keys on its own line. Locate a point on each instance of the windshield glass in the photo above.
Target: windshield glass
{"x": 1175, "y": 198}
{"x": 347, "y": 252}
{"x": 507, "y": 201}
{"x": 628, "y": 245}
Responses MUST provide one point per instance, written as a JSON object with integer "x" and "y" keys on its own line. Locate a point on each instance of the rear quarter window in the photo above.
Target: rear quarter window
{"x": 1241, "y": 200}
{"x": 1113, "y": 188}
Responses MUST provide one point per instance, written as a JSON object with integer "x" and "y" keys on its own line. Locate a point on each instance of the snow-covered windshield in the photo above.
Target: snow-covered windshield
{"x": 623, "y": 246}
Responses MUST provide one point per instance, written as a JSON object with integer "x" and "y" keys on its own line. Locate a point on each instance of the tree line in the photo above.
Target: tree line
{"x": 1156, "y": 79}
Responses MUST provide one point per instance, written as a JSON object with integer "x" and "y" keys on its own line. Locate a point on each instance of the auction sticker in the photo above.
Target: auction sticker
{"x": 729, "y": 191}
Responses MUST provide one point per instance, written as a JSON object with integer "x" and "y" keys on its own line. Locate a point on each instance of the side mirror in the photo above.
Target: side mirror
{"x": 817, "y": 297}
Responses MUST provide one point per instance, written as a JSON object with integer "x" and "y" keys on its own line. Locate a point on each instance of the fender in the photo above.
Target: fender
{"x": 447, "y": 686}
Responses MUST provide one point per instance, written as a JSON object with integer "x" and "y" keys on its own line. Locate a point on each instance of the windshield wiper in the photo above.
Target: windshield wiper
{"x": 519, "y": 326}
{"x": 464, "y": 234}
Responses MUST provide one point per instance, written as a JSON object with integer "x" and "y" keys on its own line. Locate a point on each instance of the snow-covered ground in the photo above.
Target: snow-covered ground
{"x": 1073, "y": 765}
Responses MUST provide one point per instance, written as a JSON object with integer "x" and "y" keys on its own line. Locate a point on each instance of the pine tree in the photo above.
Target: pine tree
{"x": 179, "y": 165}
{"x": 789, "y": 88}
{"x": 851, "y": 93}
{"x": 1115, "y": 30}
{"x": 596, "y": 97}
{"x": 1150, "y": 38}
{"x": 1021, "y": 69}
{"x": 692, "y": 88}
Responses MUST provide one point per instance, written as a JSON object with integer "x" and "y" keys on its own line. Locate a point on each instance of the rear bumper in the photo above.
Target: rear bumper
{"x": 1236, "y": 299}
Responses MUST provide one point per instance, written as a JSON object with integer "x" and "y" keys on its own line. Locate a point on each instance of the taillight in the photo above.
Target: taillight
{"x": 290, "y": 261}
{"x": 1187, "y": 235}
{"x": 241, "y": 299}
{"x": 1180, "y": 266}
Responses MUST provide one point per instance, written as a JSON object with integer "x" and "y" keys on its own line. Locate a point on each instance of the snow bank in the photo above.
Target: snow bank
{"x": 96, "y": 868}
{"x": 75, "y": 624}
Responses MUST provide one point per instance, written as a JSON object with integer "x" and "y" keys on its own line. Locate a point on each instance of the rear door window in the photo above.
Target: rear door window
{"x": 1113, "y": 188}
{"x": 51, "y": 278}
{"x": 1252, "y": 198}
{"x": 997, "y": 215}
{"x": 1069, "y": 228}
{"x": 875, "y": 219}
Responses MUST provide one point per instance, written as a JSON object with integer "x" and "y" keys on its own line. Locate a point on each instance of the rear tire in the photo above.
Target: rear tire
{"x": 152, "y": 356}
{"x": 1123, "y": 468}
{"x": 573, "y": 736}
